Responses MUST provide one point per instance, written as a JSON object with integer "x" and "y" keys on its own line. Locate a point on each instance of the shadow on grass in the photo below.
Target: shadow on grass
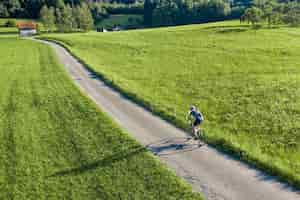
{"x": 162, "y": 147}
{"x": 8, "y": 33}
{"x": 228, "y": 27}
{"x": 231, "y": 30}
{"x": 240, "y": 28}
{"x": 101, "y": 163}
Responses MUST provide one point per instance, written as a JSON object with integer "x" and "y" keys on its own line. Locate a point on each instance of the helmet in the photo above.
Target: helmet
{"x": 193, "y": 108}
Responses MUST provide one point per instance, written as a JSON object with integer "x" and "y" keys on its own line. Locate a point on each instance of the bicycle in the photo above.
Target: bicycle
{"x": 199, "y": 134}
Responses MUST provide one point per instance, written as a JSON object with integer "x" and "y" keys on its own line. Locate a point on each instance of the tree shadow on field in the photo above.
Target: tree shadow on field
{"x": 168, "y": 146}
{"x": 101, "y": 163}
{"x": 8, "y": 33}
{"x": 241, "y": 26}
{"x": 231, "y": 30}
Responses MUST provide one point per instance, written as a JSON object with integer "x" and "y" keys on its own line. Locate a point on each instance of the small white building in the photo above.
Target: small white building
{"x": 27, "y": 29}
{"x": 117, "y": 28}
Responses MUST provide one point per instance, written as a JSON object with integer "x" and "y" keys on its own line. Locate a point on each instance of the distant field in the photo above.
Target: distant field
{"x": 12, "y": 30}
{"x": 9, "y": 30}
{"x": 121, "y": 20}
{"x": 245, "y": 81}
{"x": 55, "y": 144}
{"x": 4, "y": 20}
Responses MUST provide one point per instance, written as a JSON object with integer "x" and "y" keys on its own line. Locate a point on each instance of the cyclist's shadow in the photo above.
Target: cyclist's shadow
{"x": 160, "y": 148}
{"x": 170, "y": 146}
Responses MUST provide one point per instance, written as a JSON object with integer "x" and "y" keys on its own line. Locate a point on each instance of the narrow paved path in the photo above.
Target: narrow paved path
{"x": 216, "y": 175}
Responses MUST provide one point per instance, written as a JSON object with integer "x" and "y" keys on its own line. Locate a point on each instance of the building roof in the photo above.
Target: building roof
{"x": 26, "y": 25}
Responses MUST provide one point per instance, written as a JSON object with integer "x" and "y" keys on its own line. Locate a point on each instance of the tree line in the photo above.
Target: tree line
{"x": 31, "y": 8}
{"x": 27, "y": 8}
{"x": 66, "y": 18}
{"x": 69, "y": 15}
{"x": 273, "y": 13}
{"x": 101, "y": 10}
{"x": 177, "y": 12}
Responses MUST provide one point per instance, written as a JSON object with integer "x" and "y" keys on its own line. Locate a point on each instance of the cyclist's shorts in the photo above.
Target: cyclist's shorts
{"x": 197, "y": 122}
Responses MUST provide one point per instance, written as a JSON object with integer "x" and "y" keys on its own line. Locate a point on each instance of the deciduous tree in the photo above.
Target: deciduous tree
{"x": 48, "y": 18}
{"x": 253, "y": 15}
{"x": 86, "y": 21}
{"x": 3, "y": 10}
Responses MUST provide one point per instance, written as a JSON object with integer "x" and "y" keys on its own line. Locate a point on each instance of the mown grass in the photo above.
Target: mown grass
{"x": 8, "y": 30}
{"x": 125, "y": 21}
{"x": 245, "y": 81}
{"x": 55, "y": 143}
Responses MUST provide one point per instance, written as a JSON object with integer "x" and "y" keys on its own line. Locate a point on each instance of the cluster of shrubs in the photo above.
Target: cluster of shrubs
{"x": 177, "y": 12}
{"x": 137, "y": 8}
{"x": 273, "y": 13}
{"x": 10, "y": 23}
{"x": 101, "y": 11}
{"x": 67, "y": 18}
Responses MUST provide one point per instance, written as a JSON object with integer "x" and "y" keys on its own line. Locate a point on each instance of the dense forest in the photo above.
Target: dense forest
{"x": 169, "y": 12}
{"x": 31, "y": 8}
{"x": 177, "y": 12}
{"x": 156, "y": 12}
{"x": 273, "y": 13}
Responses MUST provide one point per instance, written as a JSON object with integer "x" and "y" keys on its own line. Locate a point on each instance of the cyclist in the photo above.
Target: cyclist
{"x": 197, "y": 118}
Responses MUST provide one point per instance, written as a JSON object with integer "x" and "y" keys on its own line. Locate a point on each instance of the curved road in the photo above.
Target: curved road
{"x": 217, "y": 176}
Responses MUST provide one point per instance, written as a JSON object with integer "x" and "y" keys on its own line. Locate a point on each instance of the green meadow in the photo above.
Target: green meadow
{"x": 55, "y": 143}
{"x": 245, "y": 81}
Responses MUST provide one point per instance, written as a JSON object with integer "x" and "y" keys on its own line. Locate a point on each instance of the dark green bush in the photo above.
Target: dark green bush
{"x": 125, "y": 9}
{"x": 10, "y": 23}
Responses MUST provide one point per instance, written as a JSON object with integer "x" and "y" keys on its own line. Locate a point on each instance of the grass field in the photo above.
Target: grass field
{"x": 245, "y": 81}
{"x": 55, "y": 144}
{"x": 126, "y": 21}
